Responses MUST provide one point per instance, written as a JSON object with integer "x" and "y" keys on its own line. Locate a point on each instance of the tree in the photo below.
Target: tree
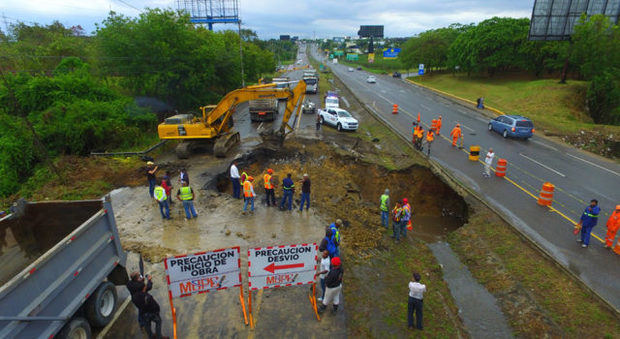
{"x": 596, "y": 47}
{"x": 430, "y": 47}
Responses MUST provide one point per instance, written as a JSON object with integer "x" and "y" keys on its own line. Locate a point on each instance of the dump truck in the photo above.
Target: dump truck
{"x": 263, "y": 109}
{"x": 61, "y": 261}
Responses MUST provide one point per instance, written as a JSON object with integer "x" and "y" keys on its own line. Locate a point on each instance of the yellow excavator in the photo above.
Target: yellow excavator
{"x": 214, "y": 130}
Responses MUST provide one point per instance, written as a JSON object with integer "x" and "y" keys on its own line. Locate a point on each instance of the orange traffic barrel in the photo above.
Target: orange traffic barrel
{"x": 474, "y": 153}
{"x": 395, "y": 109}
{"x": 500, "y": 170}
{"x": 434, "y": 125}
{"x": 546, "y": 194}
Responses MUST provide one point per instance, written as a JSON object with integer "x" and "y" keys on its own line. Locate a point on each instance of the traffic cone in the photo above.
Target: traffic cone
{"x": 395, "y": 109}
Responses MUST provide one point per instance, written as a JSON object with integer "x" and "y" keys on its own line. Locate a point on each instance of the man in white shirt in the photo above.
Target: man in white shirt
{"x": 488, "y": 161}
{"x": 323, "y": 270}
{"x": 234, "y": 178}
{"x": 416, "y": 296}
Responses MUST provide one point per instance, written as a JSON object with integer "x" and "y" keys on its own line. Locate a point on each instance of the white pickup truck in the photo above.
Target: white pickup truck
{"x": 338, "y": 118}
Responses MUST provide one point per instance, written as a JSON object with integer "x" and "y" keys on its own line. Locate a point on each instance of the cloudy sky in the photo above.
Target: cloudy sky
{"x": 270, "y": 18}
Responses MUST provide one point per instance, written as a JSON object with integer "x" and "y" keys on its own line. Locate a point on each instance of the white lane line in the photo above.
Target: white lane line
{"x": 471, "y": 129}
{"x": 593, "y": 164}
{"x": 543, "y": 165}
{"x": 425, "y": 107}
{"x": 346, "y": 102}
{"x": 544, "y": 145}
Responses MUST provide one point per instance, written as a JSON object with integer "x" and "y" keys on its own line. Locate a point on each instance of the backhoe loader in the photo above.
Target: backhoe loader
{"x": 214, "y": 130}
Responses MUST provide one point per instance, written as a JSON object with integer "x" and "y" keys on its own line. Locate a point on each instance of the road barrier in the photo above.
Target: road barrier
{"x": 546, "y": 194}
{"x": 500, "y": 170}
{"x": 474, "y": 153}
{"x": 395, "y": 109}
{"x": 434, "y": 125}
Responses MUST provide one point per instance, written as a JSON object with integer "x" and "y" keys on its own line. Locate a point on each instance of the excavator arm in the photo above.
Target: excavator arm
{"x": 293, "y": 105}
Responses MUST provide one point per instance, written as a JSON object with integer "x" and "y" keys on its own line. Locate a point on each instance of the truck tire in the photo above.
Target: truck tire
{"x": 76, "y": 328}
{"x": 101, "y": 305}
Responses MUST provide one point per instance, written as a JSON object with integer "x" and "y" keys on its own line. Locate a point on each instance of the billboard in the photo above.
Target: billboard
{"x": 368, "y": 31}
{"x": 391, "y": 53}
{"x": 556, "y": 19}
{"x": 285, "y": 37}
{"x": 338, "y": 53}
{"x": 371, "y": 58}
{"x": 352, "y": 56}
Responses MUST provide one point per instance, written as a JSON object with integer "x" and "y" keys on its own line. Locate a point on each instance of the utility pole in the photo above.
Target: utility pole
{"x": 241, "y": 54}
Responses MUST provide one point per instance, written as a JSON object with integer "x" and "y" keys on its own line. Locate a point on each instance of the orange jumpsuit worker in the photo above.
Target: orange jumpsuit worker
{"x": 438, "y": 125}
{"x": 456, "y": 134}
{"x": 613, "y": 224}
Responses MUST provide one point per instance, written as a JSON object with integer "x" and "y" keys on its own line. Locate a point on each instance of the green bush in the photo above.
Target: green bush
{"x": 603, "y": 99}
{"x": 17, "y": 155}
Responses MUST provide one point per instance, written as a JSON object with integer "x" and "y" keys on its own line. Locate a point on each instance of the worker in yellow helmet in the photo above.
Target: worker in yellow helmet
{"x": 248, "y": 194}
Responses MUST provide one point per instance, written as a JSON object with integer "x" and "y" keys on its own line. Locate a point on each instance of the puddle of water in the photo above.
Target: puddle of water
{"x": 434, "y": 228}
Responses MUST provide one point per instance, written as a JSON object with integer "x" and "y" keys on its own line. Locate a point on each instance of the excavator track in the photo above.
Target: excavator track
{"x": 225, "y": 143}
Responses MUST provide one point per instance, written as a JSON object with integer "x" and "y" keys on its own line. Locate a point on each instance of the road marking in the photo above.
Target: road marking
{"x": 593, "y": 164}
{"x": 471, "y": 129}
{"x": 346, "y": 102}
{"x": 425, "y": 107}
{"x": 543, "y": 165}
{"x": 545, "y": 145}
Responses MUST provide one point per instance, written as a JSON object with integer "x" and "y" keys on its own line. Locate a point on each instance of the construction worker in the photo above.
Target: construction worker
{"x": 456, "y": 134}
{"x": 438, "y": 125}
{"x": 248, "y": 194}
{"x": 335, "y": 228}
{"x": 159, "y": 193}
{"x": 413, "y": 133}
{"x": 588, "y": 220}
{"x": 406, "y": 216}
{"x": 186, "y": 195}
{"x": 385, "y": 208}
{"x": 150, "y": 176}
{"x": 397, "y": 212}
{"x": 269, "y": 188}
{"x": 613, "y": 224}
{"x": 288, "y": 187}
{"x": 234, "y": 179}
{"x": 430, "y": 136}
{"x": 419, "y": 137}
{"x": 305, "y": 192}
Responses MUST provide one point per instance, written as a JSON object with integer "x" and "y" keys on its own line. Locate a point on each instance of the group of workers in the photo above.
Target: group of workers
{"x": 330, "y": 267}
{"x": 161, "y": 191}
{"x": 589, "y": 219}
{"x": 418, "y": 134}
{"x": 400, "y": 215}
{"x": 269, "y": 184}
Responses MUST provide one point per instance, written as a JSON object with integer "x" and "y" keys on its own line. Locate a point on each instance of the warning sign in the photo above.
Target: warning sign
{"x": 203, "y": 271}
{"x": 278, "y": 266}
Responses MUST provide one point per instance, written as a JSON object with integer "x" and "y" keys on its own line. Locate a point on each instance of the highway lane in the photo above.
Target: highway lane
{"x": 578, "y": 176}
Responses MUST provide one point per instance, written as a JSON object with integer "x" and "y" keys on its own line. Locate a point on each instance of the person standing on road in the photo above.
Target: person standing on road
{"x": 323, "y": 270}
{"x": 397, "y": 213}
{"x": 488, "y": 161}
{"x": 150, "y": 176}
{"x": 385, "y": 208}
{"x": 430, "y": 136}
{"x": 305, "y": 193}
{"x": 333, "y": 282}
{"x": 269, "y": 188}
{"x": 288, "y": 187}
{"x": 438, "y": 125}
{"x": 416, "y": 297}
{"x": 587, "y": 222}
{"x": 248, "y": 194}
{"x": 234, "y": 179}
{"x": 613, "y": 224}
{"x": 456, "y": 134}
{"x": 419, "y": 137}
{"x": 413, "y": 132}
{"x": 159, "y": 194}
{"x": 186, "y": 195}
{"x": 148, "y": 308}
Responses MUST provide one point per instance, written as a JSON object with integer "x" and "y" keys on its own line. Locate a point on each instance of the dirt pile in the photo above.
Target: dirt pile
{"x": 597, "y": 141}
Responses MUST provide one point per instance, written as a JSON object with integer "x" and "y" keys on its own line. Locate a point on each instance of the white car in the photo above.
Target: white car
{"x": 350, "y": 69}
{"x": 371, "y": 79}
{"x": 338, "y": 118}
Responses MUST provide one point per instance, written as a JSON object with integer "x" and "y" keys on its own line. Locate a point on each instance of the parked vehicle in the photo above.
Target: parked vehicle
{"x": 350, "y": 69}
{"x": 359, "y": 68}
{"x": 308, "y": 107}
{"x": 331, "y": 100}
{"x": 396, "y": 74}
{"x": 338, "y": 118}
{"x": 512, "y": 126}
{"x": 263, "y": 109}
{"x": 60, "y": 266}
{"x": 371, "y": 79}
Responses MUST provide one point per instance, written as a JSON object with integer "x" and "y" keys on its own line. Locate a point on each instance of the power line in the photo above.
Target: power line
{"x": 129, "y": 5}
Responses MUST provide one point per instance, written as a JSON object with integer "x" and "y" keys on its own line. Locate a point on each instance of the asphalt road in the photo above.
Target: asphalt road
{"x": 578, "y": 176}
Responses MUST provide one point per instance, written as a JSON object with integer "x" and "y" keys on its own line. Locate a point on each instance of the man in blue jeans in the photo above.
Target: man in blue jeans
{"x": 385, "y": 208}
{"x": 162, "y": 199}
{"x": 288, "y": 187}
{"x": 416, "y": 302}
{"x": 186, "y": 195}
{"x": 150, "y": 176}
{"x": 305, "y": 193}
{"x": 587, "y": 222}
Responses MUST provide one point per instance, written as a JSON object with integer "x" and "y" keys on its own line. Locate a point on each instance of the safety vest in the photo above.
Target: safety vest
{"x": 613, "y": 223}
{"x": 160, "y": 193}
{"x": 406, "y": 212}
{"x": 456, "y": 132}
{"x": 419, "y": 133}
{"x": 430, "y": 137}
{"x": 268, "y": 184}
{"x": 384, "y": 199}
{"x": 335, "y": 232}
{"x": 396, "y": 213}
{"x": 186, "y": 193}
{"x": 247, "y": 189}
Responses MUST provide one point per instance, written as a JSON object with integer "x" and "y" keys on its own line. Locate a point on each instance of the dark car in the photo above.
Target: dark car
{"x": 359, "y": 68}
{"x": 512, "y": 126}
{"x": 396, "y": 75}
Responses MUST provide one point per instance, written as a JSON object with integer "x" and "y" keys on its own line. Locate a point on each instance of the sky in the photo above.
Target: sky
{"x": 270, "y": 18}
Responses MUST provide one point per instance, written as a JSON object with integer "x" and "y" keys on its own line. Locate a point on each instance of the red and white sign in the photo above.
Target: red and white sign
{"x": 277, "y": 266}
{"x": 204, "y": 271}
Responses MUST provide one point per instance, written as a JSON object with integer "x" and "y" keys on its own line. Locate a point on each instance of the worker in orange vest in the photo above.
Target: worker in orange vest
{"x": 248, "y": 193}
{"x": 269, "y": 188}
{"x": 456, "y": 134}
{"x": 613, "y": 224}
{"x": 438, "y": 125}
{"x": 419, "y": 137}
{"x": 430, "y": 136}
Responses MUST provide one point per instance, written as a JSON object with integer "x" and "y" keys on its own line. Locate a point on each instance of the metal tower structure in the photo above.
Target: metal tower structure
{"x": 211, "y": 11}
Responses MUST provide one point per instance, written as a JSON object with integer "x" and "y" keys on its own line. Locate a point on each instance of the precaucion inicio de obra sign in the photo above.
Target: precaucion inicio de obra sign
{"x": 203, "y": 271}
{"x": 277, "y": 266}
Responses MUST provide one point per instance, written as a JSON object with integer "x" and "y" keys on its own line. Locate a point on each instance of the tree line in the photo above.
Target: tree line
{"x": 500, "y": 45}
{"x": 65, "y": 92}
